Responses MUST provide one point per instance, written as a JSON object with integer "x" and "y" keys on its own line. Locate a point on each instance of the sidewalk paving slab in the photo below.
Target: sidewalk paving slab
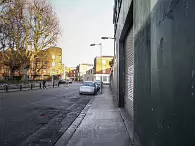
{"x": 102, "y": 125}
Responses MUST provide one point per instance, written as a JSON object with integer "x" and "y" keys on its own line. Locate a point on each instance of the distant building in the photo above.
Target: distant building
{"x": 48, "y": 62}
{"x": 73, "y": 74}
{"x": 69, "y": 72}
{"x": 81, "y": 69}
{"x": 89, "y": 76}
{"x": 70, "y": 68}
{"x": 102, "y": 68}
{"x": 62, "y": 70}
{"x": 4, "y": 71}
{"x": 66, "y": 71}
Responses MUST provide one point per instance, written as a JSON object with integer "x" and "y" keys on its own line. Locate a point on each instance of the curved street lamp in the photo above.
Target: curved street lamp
{"x": 112, "y": 38}
{"x": 106, "y": 38}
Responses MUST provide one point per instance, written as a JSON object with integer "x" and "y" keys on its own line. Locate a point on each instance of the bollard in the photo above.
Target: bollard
{"x": 40, "y": 85}
{"x": 6, "y": 88}
{"x": 58, "y": 84}
{"x": 20, "y": 87}
{"x": 53, "y": 84}
{"x": 31, "y": 86}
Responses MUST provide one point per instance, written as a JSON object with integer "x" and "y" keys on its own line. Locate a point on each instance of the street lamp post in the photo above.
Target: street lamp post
{"x": 106, "y": 38}
{"x": 113, "y": 38}
{"x": 100, "y": 44}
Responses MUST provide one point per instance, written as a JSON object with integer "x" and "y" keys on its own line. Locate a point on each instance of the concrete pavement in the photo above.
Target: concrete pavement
{"x": 102, "y": 125}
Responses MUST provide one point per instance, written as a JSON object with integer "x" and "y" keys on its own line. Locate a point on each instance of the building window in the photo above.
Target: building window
{"x": 53, "y": 57}
{"x": 105, "y": 79}
{"x": 97, "y": 78}
{"x": 53, "y": 63}
{"x": 104, "y": 62}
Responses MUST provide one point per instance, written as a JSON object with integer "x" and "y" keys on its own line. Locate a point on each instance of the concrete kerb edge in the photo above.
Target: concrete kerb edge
{"x": 126, "y": 119}
{"x": 64, "y": 139}
{"x": 135, "y": 140}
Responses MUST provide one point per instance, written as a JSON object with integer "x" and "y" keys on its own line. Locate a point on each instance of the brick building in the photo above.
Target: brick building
{"x": 89, "y": 76}
{"x": 102, "y": 68}
{"x": 46, "y": 63}
{"x": 73, "y": 74}
{"x": 81, "y": 69}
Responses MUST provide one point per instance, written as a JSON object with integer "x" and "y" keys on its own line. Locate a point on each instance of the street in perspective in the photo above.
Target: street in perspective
{"x": 55, "y": 75}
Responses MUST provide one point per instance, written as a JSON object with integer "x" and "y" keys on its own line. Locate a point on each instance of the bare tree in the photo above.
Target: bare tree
{"x": 45, "y": 27}
{"x": 4, "y": 9}
{"x": 27, "y": 27}
{"x": 44, "y": 23}
{"x": 12, "y": 35}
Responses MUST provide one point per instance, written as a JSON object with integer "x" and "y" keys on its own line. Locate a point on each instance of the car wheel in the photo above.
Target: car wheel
{"x": 80, "y": 93}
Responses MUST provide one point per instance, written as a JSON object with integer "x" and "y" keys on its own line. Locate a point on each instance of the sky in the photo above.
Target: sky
{"x": 84, "y": 22}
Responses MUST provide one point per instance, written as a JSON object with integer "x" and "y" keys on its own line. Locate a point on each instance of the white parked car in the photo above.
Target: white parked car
{"x": 88, "y": 87}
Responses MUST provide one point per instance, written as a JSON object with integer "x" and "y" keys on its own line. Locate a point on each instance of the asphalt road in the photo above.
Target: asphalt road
{"x": 39, "y": 117}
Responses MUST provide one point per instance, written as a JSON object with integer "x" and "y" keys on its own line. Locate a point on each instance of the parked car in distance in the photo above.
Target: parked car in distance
{"x": 88, "y": 87}
{"x": 70, "y": 81}
{"x": 98, "y": 85}
{"x": 62, "y": 81}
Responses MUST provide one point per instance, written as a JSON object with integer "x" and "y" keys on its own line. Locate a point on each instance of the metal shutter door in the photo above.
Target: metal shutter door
{"x": 129, "y": 57}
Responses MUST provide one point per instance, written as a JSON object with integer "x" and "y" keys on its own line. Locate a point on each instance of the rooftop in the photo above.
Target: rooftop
{"x": 86, "y": 64}
{"x": 104, "y": 56}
